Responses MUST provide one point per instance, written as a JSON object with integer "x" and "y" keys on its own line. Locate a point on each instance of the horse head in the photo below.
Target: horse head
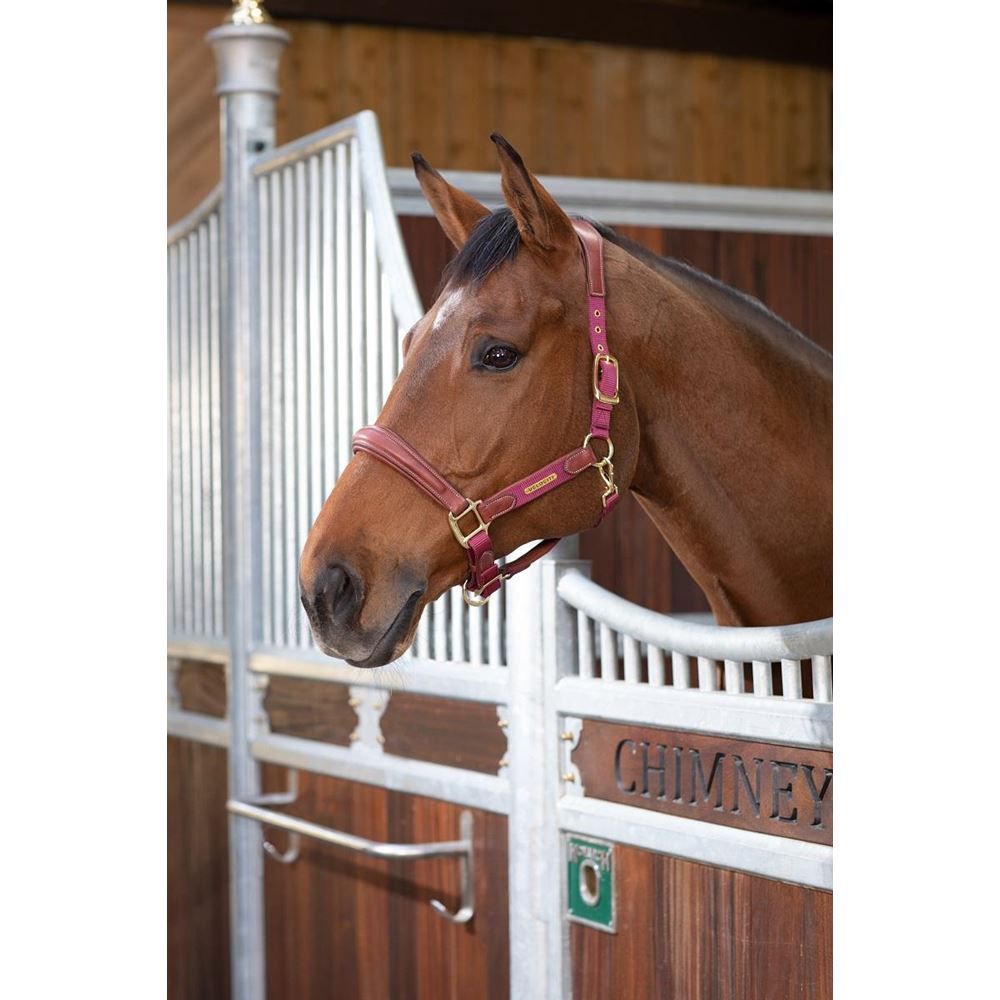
{"x": 496, "y": 381}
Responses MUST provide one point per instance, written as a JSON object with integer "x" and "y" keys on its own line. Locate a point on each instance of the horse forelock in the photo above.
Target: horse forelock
{"x": 494, "y": 240}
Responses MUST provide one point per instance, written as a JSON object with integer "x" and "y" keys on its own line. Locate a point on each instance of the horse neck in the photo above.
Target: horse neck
{"x": 734, "y": 463}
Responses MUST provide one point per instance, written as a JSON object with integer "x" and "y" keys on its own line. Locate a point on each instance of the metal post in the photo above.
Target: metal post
{"x": 247, "y": 52}
{"x": 539, "y": 964}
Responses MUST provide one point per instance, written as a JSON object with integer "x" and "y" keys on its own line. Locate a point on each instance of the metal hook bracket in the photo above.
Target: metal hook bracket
{"x": 467, "y": 886}
{"x": 291, "y": 854}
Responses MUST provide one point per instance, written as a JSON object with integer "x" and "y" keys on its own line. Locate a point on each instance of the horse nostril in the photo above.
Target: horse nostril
{"x": 335, "y": 591}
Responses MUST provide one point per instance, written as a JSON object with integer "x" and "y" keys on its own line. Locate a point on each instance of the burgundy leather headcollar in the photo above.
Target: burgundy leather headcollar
{"x": 485, "y": 575}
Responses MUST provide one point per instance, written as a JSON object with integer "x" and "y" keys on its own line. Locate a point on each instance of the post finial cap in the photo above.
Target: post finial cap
{"x": 248, "y": 12}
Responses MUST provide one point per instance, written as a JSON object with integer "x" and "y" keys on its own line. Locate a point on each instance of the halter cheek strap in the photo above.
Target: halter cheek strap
{"x": 470, "y": 520}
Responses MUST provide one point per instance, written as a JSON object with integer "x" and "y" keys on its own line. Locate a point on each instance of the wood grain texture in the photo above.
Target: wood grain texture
{"x": 197, "y": 872}
{"x": 444, "y": 731}
{"x": 342, "y": 925}
{"x": 202, "y": 687}
{"x": 576, "y": 108}
{"x": 780, "y": 790}
{"x": 688, "y": 931}
{"x": 312, "y": 710}
{"x": 799, "y": 32}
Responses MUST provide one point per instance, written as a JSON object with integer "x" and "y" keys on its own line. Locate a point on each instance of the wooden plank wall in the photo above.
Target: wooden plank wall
{"x": 695, "y": 932}
{"x": 574, "y": 108}
{"x": 197, "y": 872}
{"x": 793, "y": 275}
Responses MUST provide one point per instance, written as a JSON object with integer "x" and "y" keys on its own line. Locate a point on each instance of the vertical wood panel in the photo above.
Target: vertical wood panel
{"x": 197, "y": 872}
{"x": 702, "y": 933}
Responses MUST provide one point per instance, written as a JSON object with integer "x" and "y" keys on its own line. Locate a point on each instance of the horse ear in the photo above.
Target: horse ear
{"x": 456, "y": 211}
{"x": 540, "y": 220}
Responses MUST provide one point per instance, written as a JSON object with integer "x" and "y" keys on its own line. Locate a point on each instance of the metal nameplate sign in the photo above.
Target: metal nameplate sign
{"x": 591, "y": 882}
{"x": 765, "y": 787}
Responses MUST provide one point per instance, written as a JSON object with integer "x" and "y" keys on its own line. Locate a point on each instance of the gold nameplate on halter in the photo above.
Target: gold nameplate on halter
{"x": 453, "y": 520}
{"x": 598, "y": 395}
{"x": 541, "y": 482}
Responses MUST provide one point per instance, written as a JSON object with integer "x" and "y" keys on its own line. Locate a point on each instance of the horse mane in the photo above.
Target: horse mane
{"x": 495, "y": 239}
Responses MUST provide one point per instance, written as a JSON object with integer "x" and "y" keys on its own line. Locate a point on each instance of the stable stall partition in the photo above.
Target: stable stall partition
{"x": 584, "y": 789}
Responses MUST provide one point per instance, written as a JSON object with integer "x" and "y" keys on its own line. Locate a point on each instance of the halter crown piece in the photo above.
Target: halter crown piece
{"x": 470, "y": 520}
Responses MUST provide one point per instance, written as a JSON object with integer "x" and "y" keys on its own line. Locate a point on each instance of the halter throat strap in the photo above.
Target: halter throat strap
{"x": 470, "y": 520}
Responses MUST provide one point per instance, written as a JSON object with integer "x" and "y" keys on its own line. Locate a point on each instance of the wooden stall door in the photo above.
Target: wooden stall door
{"x": 340, "y": 925}
{"x": 689, "y": 931}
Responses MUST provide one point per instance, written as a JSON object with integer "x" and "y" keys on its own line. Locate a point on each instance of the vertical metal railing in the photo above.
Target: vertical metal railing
{"x": 336, "y": 298}
{"x": 196, "y": 594}
{"x": 332, "y": 318}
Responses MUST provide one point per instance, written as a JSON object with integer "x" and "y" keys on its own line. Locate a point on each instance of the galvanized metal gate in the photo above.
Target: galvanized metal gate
{"x": 295, "y": 260}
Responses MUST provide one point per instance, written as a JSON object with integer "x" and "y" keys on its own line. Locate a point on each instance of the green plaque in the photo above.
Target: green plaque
{"x": 591, "y": 882}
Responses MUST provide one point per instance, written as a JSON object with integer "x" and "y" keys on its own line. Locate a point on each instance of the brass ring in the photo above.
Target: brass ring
{"x": 611, "y": 449}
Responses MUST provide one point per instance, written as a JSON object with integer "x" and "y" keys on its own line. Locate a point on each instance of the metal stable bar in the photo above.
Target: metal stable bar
{"x": 247, "y": 58}
{"x": 654, "y": 660}
{"x": 266, "y": 411}
{"x": 215, "y": 329}
{"x": 714, "y": 642}
{"x": 764, "y": 854}
{"x": 798, "y": 722}
{"x": 461, "y": 849}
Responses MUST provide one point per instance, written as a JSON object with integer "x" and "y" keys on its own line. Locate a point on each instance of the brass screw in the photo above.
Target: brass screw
{"x": 353, "y": 702}
{"x": 569, "y": 777}
{"x": 502, "y": 723}
{"x": 503, "y": 762}
{"x": 354, "y": 737}
{"x": 567, "y": 736}
{"x": 380, "y": 739}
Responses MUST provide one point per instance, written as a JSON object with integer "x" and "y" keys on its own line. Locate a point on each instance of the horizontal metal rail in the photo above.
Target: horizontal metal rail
{"x": 719, "y": 642}
{"x": 415, "y": 676}
{"x": 201, "y": 650}
{"x": 461, "y": 848}
{"x": 399, "y": 774}
{"x": 781, "y": 858}
{"x": 647, "y": 203}
{"x": 801, "y": 723}
{"x": 197, "y": 727}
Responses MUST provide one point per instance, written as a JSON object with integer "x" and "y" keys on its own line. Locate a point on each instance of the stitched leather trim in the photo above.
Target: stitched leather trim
{"x": 591, "y": 241}
{"x": 579, "y": 460}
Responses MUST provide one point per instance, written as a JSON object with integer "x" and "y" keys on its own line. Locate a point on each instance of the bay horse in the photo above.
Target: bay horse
{"x": 723, "y": 428}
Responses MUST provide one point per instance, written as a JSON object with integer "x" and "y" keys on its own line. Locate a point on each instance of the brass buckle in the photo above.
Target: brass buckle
{"x": 453, "y": 520}
{"x": 598, "y": 395}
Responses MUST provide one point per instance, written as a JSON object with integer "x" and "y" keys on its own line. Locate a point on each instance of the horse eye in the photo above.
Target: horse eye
{"x": 500, "y": 357}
